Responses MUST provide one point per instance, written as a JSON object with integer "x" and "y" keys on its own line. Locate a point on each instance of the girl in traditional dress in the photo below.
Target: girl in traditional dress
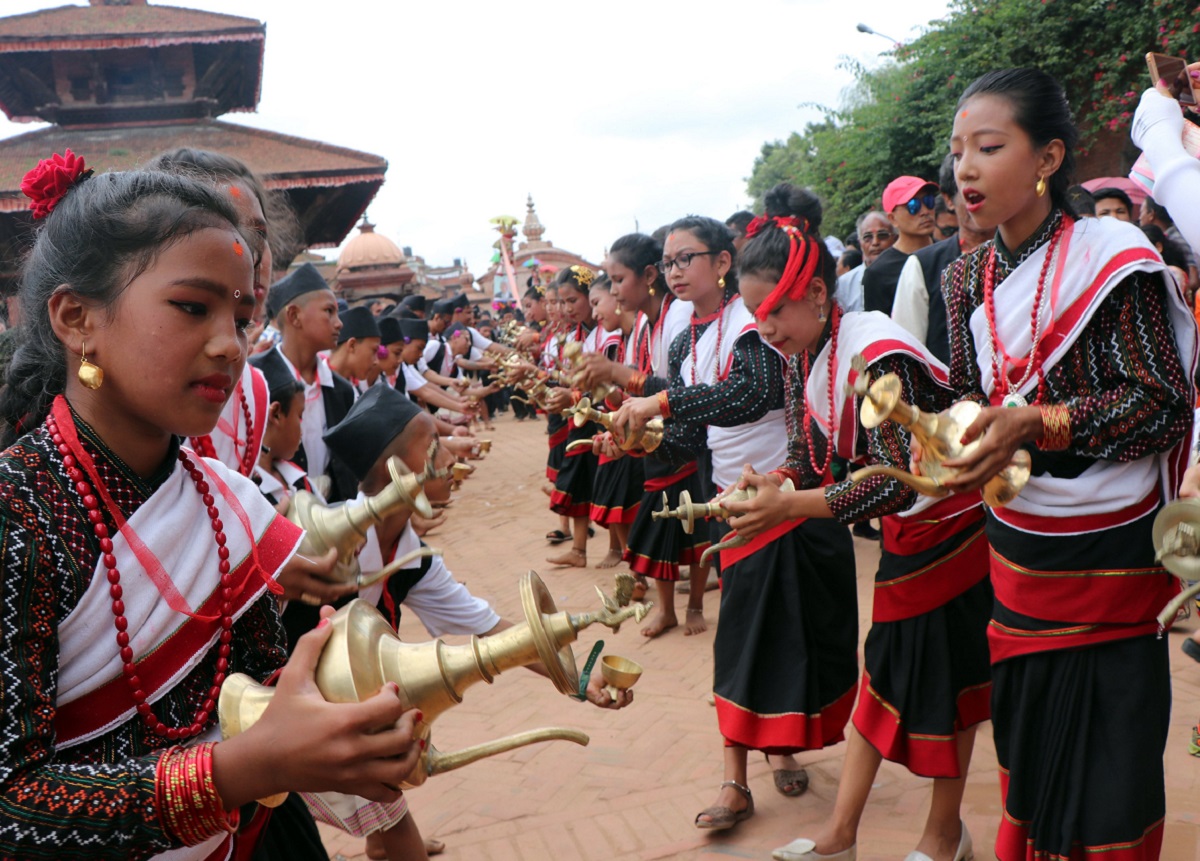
{"x": 656, "y": 548}
{"x": 726, "y": 394}
{"x": 619, "y": 480}
{"x": 137, "y": 575}
{"x": 925, "y": 681}
{"x": 572, "y": 496}
{"x": 1083, "y": 350}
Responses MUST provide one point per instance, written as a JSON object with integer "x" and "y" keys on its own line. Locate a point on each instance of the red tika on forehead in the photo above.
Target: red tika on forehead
{"x": 237, "y": 248}
{"x": 235, "y": 192}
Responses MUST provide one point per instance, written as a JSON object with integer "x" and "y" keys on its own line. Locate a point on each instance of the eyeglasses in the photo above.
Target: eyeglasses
{"x": 926, "y": 200}
{"x": 948, "y": 230}
{"x": 881, "y": 236}
{"x": 682, "y": 261}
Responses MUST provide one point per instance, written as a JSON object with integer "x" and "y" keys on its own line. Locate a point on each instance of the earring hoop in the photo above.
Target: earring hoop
{"x": 1040, "y": 188}
{"x": 90, "y": 376}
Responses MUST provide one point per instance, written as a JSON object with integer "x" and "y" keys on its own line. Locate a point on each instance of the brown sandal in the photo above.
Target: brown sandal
{"x": 797, "y": 778}
{"x": 721, "y": 818}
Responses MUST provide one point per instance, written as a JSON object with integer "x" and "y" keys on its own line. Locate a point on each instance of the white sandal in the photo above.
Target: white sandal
{"x": 803, "y": 849}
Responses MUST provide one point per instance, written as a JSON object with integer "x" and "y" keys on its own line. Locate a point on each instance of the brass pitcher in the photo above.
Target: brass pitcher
{"x": 689, "y": 512}
{"x": 364, "y": 652}
{"x": 645, "y": 439}
{"x": 939, "y": 437}
{"x": 1176, "y": 535}
{"x": 345, "y": 526}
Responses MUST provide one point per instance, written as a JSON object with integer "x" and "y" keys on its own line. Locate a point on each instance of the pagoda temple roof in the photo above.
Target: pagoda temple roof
{"x": 330, "y": 186}
{"x": 93, "y": 27}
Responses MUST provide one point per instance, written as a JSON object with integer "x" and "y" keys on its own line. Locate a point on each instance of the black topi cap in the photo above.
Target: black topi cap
{"x": 357, "y": 323}
{"x": 281, "y": 382}
{"x": 389, "y": 331}
{"x": 289, "y": 288}
{"x": 415, "y": 330}
{"x": 415, "y": 301}
{"x": 376, "y": 418}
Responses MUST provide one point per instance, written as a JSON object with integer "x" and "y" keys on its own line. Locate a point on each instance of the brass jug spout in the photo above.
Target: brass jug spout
{"x": 1176, "y": 535}
{"x": 735, "y": 495}
{"x": 434, "y": 761}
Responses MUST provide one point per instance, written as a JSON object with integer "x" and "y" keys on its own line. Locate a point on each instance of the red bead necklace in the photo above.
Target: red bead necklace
{"x": 1001, "y": 361}
{"x": 96, "y": 517}
{"x": 717, "y": 355}
{"x": 835, "y": 324}
{"x": 205, "y": 448}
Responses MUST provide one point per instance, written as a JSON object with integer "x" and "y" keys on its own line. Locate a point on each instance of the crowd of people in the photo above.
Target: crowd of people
{"x": 164, "y": 401}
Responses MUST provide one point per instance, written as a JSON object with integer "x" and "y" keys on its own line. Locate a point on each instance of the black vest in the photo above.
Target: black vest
{"x": 934, "y": 259}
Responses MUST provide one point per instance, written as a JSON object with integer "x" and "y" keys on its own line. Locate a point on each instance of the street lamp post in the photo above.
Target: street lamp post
{"x": 863, "y": 28}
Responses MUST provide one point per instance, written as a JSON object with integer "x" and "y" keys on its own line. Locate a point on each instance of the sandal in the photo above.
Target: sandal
{"x": 797, "y": 778}
{"x": 557, "y": 536}
{"x": 721, "y": 818}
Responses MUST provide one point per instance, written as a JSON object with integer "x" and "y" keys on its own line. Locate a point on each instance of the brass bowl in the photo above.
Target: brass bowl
{"x": 619, "y": 672}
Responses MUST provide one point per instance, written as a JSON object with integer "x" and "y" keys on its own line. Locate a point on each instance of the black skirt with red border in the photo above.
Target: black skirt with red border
{"x": 785, "y": 655}
{"x": 557, "y": 429}
{"x": 572, "y": 496}
{"x": 618, "y": 490}
{"x": 657, "y": 548}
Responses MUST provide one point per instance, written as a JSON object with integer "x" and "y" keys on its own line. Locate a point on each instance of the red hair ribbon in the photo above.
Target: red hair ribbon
{"x": 760, "y": 221}
{"x": 803, "y": 257}
{"x": 50, "y": 181}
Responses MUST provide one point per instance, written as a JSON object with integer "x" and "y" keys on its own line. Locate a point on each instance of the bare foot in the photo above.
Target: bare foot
{"x": 434, "y": 847}
{"x": 548, "y": 489}
{"x": 611, "y": 559}
{"x": 694, "y": 622}
{"x": 573, "y": 558}
{"x": 660, "y": 623}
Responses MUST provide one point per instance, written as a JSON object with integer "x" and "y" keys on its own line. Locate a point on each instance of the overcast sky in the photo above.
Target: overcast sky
{"x": 613, "y": 115}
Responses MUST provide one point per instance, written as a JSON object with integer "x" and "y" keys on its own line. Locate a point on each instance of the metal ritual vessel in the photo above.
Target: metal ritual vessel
{"x": 645, "y": 439}
{"x": 939, "y": 436}
{"x": 689, "y": 512}
{"x": 345, "y": 526}
{"x": 1176, "y": 535}
{"x": 621, "y": 674}
{"x": 364, "y": 652}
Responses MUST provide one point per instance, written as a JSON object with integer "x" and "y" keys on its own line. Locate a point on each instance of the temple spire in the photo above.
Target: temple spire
{"x": 532, "y": 228}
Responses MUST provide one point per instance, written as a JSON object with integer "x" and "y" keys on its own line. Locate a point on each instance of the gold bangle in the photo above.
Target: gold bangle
{"x": 636, "y": 384}
{"x": 1056, "y": 427}
{"x": 664, "y": 405}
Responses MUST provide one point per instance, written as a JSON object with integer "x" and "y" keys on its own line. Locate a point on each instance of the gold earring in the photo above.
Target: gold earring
{"x": 91, "y": 376}
{"x": 1040, "y": 188}
{"x": 721, "y": 282}
{"x": 652, "y": 292}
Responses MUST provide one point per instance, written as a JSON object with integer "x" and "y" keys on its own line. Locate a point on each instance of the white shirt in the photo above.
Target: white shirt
{"x": 477, "y": 340}
{"x": 412, "y": 378}
{"x": 312, "y": 425}
{"x": 849, "y": 289}
{"x": 443, "y": 605}
{"x": 911, "y": 306}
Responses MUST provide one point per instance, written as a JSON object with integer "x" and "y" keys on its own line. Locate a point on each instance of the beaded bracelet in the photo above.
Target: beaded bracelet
{"x": 664, "y": 405}
{"x": 188, "y": 802}
{"x": 1056, "y": 427}
{"x": 636, "y": 384}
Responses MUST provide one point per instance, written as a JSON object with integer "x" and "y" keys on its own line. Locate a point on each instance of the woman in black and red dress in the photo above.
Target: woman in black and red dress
{"x": 1084, "y": 350}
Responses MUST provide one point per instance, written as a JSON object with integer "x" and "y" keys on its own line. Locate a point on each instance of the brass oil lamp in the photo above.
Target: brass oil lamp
{"x": 689, "y": 512}
{"x": 364, "y": 652}
{"x": 1176, "y": 535}
{"x": 345, "y": 526}
{"x": 939, "y": 436}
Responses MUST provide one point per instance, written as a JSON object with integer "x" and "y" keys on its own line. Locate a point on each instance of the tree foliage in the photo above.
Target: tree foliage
{"x": 896, "y": 119}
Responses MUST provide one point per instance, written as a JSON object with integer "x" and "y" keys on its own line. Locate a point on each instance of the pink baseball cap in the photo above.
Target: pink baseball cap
{"x": 902, "y": 189}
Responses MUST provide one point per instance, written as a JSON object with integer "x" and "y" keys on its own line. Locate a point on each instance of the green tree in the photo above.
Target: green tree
{"x": 897, "y": 118}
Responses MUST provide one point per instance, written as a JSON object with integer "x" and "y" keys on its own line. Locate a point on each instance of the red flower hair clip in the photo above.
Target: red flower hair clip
{"x": 49, "y": 182}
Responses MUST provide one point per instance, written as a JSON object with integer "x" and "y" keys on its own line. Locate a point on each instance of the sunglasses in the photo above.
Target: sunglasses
{"x": 948, "y": 230}
{"x": 926, "y": 200}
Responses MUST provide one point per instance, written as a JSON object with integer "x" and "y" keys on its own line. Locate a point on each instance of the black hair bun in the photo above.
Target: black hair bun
{"x": 787, "y": 199}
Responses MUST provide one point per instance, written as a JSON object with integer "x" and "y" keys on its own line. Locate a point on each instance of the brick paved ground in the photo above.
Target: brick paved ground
{"x": 634, "y": 791}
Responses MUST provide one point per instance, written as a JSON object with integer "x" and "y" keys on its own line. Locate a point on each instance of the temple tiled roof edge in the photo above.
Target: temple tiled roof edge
{"x": 91, "y": 27}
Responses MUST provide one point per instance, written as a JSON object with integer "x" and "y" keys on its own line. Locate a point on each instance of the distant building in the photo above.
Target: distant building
{"x": 123, "y": 80}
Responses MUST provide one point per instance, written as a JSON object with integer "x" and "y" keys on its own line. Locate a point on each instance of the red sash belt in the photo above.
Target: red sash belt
{"x": 656, "y": 485}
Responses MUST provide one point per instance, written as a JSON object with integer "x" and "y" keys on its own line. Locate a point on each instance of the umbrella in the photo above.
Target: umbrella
{"x": 1136, "y": 193}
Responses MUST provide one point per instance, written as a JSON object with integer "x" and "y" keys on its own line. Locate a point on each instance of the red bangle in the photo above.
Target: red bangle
{"x": 785, "y": 473}
{"x": 1056, "y": 427}
{"x": 636, "y": 384}
{"x": 664, "y": 404}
